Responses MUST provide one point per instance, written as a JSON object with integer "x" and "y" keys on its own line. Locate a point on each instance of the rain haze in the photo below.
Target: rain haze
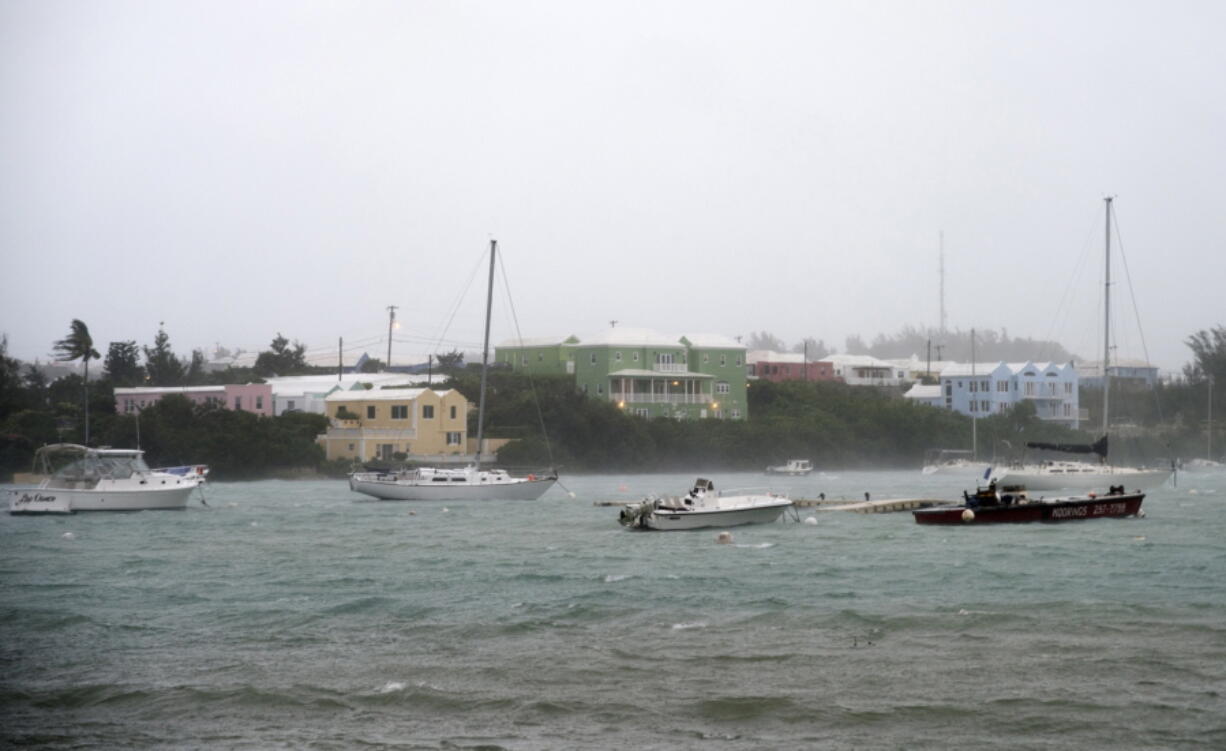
{"x": 235, "y": 170}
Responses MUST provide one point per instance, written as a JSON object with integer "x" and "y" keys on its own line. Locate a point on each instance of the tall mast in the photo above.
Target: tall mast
{"x": 1208, "y": 432}
{"x": 974, "y": 413}
{"x": 485, "y": 354}
{"x": 1107, "y": 319}
{"x": 942, "y": 256}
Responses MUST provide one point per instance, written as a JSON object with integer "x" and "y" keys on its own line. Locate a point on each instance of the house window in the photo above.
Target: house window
{"x": 617, "y": 356}
{"x": 370, "y": 412}
{"x": 540, "y": 356}
{"x": 593, "y": 358}
{"x": 385, "y": 450}
{"x": 259, "y": 402}
{"x": 635, "y": 357}
{"x": 664, "y": 358}
{"x": 453, "y": 411}
{"x": 600, "y": 388}
{"x": 1068, "y": 388}
{"x": 453, "y": 438}
{"x": 738, "y": 360}
{"x": 722, "y": 387}
{"x": 706, "y": 358}
{"x": 238, "y": 402}
{"x": 400, "y": 411}
{"x": 974, "y": 386}
{"x": 351, "y": 447}
{"x": 642, "y": 412}
{"x": 523, "y": 359}
{"x": 339, "y": 410}
{"x": 289, "y": 404}
{"x": 427, "y": 411}
{"x": 736, "y": 414}
{"x": 723, "y": 361}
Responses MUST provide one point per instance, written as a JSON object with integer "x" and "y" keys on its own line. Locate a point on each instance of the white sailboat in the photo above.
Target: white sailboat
{"x": 470, "y": 483}
{"x": 1053, "y": 475}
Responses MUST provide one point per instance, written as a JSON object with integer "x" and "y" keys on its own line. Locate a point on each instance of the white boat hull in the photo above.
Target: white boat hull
{"x": 703, "y": 518}
{"x": 102, "y": 498}
{"x": 393, "y": 490}
{"x": 960, "y": 470}
{"x": 1085, "y": 477}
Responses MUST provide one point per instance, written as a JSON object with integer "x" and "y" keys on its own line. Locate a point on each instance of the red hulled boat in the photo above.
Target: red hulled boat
{"x": 1012, "y": 505}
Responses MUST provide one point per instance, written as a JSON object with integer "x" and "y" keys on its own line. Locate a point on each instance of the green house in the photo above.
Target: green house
{"x": 644, "y": 372}
{"x": 539, "y": 356}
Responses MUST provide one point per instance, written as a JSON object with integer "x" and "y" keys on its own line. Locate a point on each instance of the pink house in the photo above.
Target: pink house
{"x": 784, "y": 366}
{"x": 248, "y": 397}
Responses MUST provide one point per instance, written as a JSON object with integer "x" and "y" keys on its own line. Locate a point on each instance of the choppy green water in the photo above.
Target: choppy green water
{"x": 292, "y": 614}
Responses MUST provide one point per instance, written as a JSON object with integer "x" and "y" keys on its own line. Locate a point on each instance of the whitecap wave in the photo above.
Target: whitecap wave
{"x": 688, "y": 626}
{"x": 756, "y": 545}
{"x": 391, "y": 687}
{"x": 616, "y": 578}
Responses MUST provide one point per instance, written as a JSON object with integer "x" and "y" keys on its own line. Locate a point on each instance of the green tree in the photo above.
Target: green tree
{"x": 195, "y": 370}
{"x": 78, "y": 345}
{"x": 161, "y": 363}
{"x": 122, "y": 364}
{"x": 1209, "y": 349}
{"x": 281, "y": 358}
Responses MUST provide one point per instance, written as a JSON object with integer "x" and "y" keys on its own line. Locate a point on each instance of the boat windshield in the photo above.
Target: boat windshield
{"x": 98, "y": 466}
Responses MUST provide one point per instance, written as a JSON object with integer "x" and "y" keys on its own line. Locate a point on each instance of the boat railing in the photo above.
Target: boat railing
{"x": 758, "y": 490}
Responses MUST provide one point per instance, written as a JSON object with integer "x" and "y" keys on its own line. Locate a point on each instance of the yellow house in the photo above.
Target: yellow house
{"x": 378, "y": 423}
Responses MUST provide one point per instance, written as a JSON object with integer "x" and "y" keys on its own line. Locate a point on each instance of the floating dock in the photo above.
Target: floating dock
{"x": 883, "y": 506}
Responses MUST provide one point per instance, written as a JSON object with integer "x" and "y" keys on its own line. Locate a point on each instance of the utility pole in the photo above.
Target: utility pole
{"x": 974, "y": 413}
{"x": 340, "y": 357}
{"x": 806, "y": 360}
{"x": 391, "y": 322}
{"x": 929, "y": 357}
{"x": 613, "y": 324}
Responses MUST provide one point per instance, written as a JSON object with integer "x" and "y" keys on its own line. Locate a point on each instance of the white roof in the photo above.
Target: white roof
{"x": 318, "y": 384}
{"x": 924, "y": 391}
{"x": 766, "y": 355}
{"x": 860, "y": 361}
{"x": 963, "y": 369}
{"x": 713, "y": 341}
{"x": 630, "y": 337}
{"x": 380, "y": 395}
{"x": 535, "y": 341}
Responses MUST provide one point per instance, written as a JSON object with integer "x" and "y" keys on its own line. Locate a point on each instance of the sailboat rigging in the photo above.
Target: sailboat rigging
{"x": 471, "y": 482}
{"x": 1078, "y": 474}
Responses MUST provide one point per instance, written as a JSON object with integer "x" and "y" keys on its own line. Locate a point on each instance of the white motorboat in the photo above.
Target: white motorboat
{"x": 703, "y": 507}
{"x": 470, "y": 483}
{"x": 89, "y": 479}
{"x": 794, "y": 467}
{"x": 953, "y": 462}
{"x": 466, "y": 484}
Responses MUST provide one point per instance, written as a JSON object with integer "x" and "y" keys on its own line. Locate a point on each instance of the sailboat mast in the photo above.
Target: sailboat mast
{"x": 1107, "y": 319}
{"x": 974, "y": 414}
{"x": 485, "y": 355}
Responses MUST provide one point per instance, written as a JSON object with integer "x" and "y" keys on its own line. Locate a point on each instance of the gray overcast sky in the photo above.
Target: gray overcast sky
{"x": 236, "y": 169}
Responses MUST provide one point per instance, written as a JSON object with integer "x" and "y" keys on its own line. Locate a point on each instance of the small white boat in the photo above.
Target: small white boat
{"x": 953, "y": 462}
{"x": 89, "y": 479}
{"x": 703, "y": 507}
{"x": 794, "y": 467}
{"x": 434, "y": 484}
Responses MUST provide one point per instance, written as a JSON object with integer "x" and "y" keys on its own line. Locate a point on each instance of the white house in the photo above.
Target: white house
{"x": 984, "y": 389}
{"x": 1131, "y": 371}
{"x": 308, "y": 393}
{"x": 865, "y": 370}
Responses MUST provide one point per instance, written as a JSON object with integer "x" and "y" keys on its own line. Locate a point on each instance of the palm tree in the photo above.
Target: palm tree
{"x": 78, "y": 345}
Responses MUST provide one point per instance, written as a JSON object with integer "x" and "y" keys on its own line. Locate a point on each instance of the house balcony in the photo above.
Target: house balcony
{"x": 658, "y": 398}
{"x": 671, "y": 367}
{"x": 1044, "y": 397}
